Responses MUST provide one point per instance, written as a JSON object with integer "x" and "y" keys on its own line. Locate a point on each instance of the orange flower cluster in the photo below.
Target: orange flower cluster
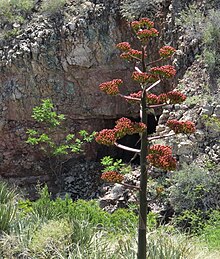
{"x": 160, "y": 150}
{"x": 162, "y": 98}
{"x": 144, "y": 77}
{"x": 166, "y": 71}
{"x": 144, "y": 29}
{"x": 136, "y": 95}
{"x": 166, "y": 51}
{"x": 143, "y": 23}
{"x": 152, "y": 99}
{"x": 123, "y": 127}
{"x": 176, "y": 97}
{"x": 123, "y": 46}
{"x": 112, "y": 177}
{"x": 131, "y": 54}
{"x": 146, "y": 23}
{"x": 186, "y": 127}
{"x": 161, "y": 157}
{"x": 143, "y": 35}
{"x": 172, "y": 97}
{"x": 106, "y": 137}
{"x": 111, "y": 87}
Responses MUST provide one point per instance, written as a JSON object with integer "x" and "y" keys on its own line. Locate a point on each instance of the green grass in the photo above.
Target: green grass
{"x": 64, "y": 229}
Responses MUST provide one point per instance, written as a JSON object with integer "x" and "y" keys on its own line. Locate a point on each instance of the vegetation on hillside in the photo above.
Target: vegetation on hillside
{"x": 61, "y": 229}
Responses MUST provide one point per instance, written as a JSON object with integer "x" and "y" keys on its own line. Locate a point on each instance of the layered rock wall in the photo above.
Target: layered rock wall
{"x": 65, "y": 61}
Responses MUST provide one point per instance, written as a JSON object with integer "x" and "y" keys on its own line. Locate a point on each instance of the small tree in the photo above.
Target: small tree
{"x": 45, "y": 136}
{"x": 148, "y": 76}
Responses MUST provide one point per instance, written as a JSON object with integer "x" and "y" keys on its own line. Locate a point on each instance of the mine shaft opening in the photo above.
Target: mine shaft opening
{"x": 132, "y": 141}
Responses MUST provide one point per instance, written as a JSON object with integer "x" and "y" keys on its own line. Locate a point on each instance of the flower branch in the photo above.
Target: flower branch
{"x": 127, "y": 148}
{"x": 160, "y": 137}
{"x": 153, "y": 85}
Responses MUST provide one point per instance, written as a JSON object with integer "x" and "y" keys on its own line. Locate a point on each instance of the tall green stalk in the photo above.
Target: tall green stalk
{"x": 142, "y": 228}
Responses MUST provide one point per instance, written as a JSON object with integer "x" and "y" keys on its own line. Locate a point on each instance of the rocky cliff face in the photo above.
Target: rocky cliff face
{"x": 65, "y": 57}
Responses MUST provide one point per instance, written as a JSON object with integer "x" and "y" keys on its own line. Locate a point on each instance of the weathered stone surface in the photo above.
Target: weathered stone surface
{"x": 65, "y": 61}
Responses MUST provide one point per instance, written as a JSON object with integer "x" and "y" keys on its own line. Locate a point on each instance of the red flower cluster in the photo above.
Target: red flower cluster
{"x": 160, "y": 150}
{"x": 131, "y": 54}
{"x": 123, "y": 46}
{"x": 161, "y": 157}
{"x": 162, "y": 98}
{"x": 173, "y": 97}
{"x": 186, "y": 127}
{"x": 126, "y": 126}
{"x": 135, "y": 25}
{"x": 143, "y": 35}
{"x": 139, "y": 127}
{"x": 146, "y": 23}
{"x": 167, "y": 163}
{"x": 136, "y": 95}
{"x": 144, "y": 29}
{"x": 112, "y": 177}
{"x": 166, "y": 71}
{"x": 176, "y": 97}
{"x": 111, "y": 87}
{"x": 106, "y": 137}
{"x": 143, "y": 23}
{"x": 123, "y": 126}
{"x": 166, "y": 51}
{"x": 144, "y": 77}
{"x": 152, "y": 99}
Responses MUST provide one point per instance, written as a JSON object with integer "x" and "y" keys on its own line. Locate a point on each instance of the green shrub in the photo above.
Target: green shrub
{"x": 123, "y": 220}
{"x": 7, "y": 194}
{"x": 192, "y": 19}
{"x": 50, "y": 140}
{"x": 50, "y": 235}
{"x": 116, "y": 165}
{"x": 195, "y": 188}
{"x": 15, "y": 10}
{"x": 162, "y": 245}
{"x": 195, "y": 191}
{"x": 52, "y": 6}
{"x": 211, "y": 39}
{"x": 43, "y": 209}
{"x": 8, "y": 206}
{"x": 211, "y": 230}
{"x": 191, "y": 221}
{"x": 91, "y": 212}
{"x": 211, "y": 122}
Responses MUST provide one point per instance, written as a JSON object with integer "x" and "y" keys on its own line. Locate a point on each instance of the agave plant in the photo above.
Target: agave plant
{"x": 7, "y": 206}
